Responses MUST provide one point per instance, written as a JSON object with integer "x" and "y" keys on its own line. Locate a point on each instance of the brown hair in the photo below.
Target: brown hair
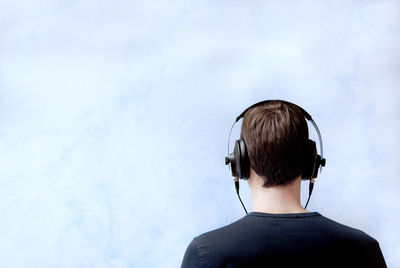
{"x": 275, "y": 134}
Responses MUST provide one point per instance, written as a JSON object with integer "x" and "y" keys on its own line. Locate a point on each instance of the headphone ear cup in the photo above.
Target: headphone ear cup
{"x": 239, "y": 161}
{"x": 309, "y": 161}
{"x": 244, "y": 160}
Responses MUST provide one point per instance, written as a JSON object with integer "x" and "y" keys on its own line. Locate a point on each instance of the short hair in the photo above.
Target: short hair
{"x": 275, "y": 135}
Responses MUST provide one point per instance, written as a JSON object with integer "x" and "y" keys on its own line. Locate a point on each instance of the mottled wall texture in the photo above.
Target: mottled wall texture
{"x": 114, "y": 120}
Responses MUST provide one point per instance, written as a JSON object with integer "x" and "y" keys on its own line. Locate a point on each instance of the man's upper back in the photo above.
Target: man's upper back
{"x": 272, "y": 240}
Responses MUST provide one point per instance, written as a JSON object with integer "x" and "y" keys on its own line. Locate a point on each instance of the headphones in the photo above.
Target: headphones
{"x": 239, "y": 161}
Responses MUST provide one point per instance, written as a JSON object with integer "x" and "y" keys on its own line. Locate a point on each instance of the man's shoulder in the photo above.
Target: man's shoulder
{"x": 230, "y": 229}
{"x": 344, "y": 231}
{"x": 212, "y": 248}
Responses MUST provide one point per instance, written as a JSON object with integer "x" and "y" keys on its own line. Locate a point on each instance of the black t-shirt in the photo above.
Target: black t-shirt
{"x": 284, "y": 240}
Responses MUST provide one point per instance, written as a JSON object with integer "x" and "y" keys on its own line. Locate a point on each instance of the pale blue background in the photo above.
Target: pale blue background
{"x": 114, "y": 119}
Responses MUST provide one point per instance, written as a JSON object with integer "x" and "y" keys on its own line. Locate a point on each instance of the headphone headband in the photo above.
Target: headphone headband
{"x": 304, "y": 112}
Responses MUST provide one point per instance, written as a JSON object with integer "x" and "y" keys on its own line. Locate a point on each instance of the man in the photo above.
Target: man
{"x": 279, "y": 232}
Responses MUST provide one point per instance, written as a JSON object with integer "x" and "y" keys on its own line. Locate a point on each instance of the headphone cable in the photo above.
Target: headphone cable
{"x": 310, "y": 190}
{"x": 237, "y": 192}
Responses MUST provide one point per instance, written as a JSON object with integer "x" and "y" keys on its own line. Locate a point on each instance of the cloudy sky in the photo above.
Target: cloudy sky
{"x": 115, "y": 115}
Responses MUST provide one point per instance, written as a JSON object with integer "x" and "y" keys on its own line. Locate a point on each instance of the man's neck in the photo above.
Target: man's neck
{"x": 275, "y": 199}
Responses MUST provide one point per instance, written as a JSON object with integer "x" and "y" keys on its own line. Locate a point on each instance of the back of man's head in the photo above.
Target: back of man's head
{"x": 275, "y": 135}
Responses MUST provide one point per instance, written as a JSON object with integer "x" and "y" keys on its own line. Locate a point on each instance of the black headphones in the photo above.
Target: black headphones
{"x": 239, "y": 160}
